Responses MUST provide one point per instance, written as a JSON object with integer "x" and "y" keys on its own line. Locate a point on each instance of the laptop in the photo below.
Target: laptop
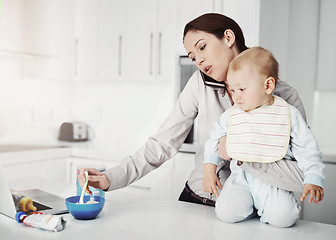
{"x": 44, "y": 202}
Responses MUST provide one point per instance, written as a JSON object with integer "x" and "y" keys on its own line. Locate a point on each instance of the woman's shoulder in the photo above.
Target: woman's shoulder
{"x": 282, "y": 85}
{"x": 195, "y": 79}
{"x": 195, "y": 84}
{"x": 291, "y": 95}
{"x": 287, "y": 92}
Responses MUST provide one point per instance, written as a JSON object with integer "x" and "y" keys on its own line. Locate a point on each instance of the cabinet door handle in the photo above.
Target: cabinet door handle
{"x": 159, "y": 53}
{"x": 76, "y": 58}
{"x": 151, "y": 54}
{"x": 120, "y": 52}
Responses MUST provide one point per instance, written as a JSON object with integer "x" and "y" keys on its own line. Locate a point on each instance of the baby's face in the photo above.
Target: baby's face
{"x": 248, "y": 88}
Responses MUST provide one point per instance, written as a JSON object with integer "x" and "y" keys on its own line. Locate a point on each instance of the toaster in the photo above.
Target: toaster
{"x": 73, "y": 132}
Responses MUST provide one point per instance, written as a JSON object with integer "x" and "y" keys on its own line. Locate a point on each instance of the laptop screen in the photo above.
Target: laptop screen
{"x": 6, "y": 201}
{"x": 44, "y": 201}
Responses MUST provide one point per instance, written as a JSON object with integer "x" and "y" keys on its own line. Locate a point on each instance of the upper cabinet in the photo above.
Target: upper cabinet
{"x": 85, "y": 40}
{"x": 244, "y": 12}
{"x": 123, "y": 40}
{"x": 165, "y": 58}
{"x": 40, "y": 33}
{"x": 187, "y": 10}
{"x": 247, "y": 14}
{"x": 110, "y": 38}
{"x": 10, "y": 26}
{"x": 140, "y": 40}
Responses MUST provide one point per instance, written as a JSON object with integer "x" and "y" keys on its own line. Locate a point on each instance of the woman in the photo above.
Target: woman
{"x": 212, "y": 41}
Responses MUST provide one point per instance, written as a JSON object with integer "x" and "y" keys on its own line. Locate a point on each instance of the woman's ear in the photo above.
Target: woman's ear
{"x": 229, "y": 37}
{"x": 269, "y": 85}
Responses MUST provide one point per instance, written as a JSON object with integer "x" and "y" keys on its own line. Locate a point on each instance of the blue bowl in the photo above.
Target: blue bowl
{"x": 84, "y": 211}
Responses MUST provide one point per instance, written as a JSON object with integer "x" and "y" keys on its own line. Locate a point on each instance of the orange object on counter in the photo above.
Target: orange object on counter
{"x": 23, "y": 203}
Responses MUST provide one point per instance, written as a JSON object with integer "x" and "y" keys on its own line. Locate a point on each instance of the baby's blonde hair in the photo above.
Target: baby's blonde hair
{"x": 259, "y": 59}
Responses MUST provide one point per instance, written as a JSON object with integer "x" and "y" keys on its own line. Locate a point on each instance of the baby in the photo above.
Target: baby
{"x": 261, "y": 128}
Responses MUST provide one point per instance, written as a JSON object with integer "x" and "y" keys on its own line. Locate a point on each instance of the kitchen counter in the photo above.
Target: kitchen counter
{"x": 131, "y": 215}
{"x": 16, "y": 153}
{"x": 60, "y": 164}
{"x": 28, "y": 152}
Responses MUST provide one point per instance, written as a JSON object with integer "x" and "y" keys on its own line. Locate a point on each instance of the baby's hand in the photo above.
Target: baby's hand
{"x": 210, "y": 180}
{"x": 314, "y": 191}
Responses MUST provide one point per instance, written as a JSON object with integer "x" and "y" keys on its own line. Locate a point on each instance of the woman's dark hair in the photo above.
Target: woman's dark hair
{"x": 216, "y": 24}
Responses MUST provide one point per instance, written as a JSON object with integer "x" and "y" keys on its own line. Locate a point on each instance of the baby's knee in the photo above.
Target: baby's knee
{"x": 284, "y": 216}
{"x": 232, "y": 213}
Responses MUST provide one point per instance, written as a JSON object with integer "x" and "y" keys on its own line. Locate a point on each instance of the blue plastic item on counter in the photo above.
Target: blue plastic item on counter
{"x": 19, "y": 216}
{"x": 84, "y": 211}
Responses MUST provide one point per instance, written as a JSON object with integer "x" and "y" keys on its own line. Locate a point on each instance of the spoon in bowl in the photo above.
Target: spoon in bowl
{"x": 84, "y": 188}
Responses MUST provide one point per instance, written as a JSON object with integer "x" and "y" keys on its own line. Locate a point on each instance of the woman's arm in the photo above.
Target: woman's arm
{"x": 164, "y": 144}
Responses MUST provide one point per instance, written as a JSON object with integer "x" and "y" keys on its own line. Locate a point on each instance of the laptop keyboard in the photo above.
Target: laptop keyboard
{"x": 40, "y": 207}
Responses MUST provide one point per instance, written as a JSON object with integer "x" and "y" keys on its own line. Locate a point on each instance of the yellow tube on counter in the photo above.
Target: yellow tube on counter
{"x": 23, "y": 203}
{"x": 26, "y": 204}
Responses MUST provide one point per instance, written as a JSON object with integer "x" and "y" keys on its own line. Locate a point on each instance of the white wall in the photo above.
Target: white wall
{"x": 29, "y": 106}
{"x": 123, "y": 115}
{"x": 290, "y": 30}
{"x": 324, "y": 121}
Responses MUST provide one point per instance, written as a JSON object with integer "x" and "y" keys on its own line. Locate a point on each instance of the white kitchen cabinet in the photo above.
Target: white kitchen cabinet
{"x": 247, "y": 14}
{"x": 164, "y": 48}
{"x": 183, "y": 165}
{"x": 325, "y": 211}
{"x": 52, "y": 169}
{"x": 10, "y": 26}
{"x": 34, "y": 32}
{"x": 157, "y": 183}
{"x": 134, "y": 41}
{"x": 139, "y": 39}
{"x": 326, "y": 71}
{"x": 124, "y": 40}
{"x": 244, "y": 12}
{"x": 168, "y": 180}
{"x": 149, "y": 53}
{"x": 86, "y": 41}
{"x": 111, "y": 37}
{"x": 187, "y": 10}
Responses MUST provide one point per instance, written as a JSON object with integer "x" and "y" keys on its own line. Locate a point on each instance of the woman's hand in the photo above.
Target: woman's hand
{"x": 211, "y": 180}
{"x": 222, "y": 153}
{"x": 97, "y": 179}
{"x": 314, "y": 191}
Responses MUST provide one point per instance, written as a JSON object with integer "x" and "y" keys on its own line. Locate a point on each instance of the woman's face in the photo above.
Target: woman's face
{"x": 210, "y": 54}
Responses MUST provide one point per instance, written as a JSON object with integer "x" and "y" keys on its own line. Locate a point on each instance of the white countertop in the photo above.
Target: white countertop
{"x": 22, "y": 152}
{"x": 29, "y": 152}
{"x": 130, "y": 215}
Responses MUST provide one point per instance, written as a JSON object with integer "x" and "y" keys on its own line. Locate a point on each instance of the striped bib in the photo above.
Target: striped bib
{"x": 261, "y": 135}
